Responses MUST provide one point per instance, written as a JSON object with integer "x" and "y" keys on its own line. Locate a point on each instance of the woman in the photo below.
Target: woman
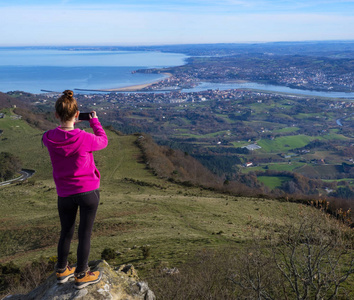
{"x": 77, "y": 181}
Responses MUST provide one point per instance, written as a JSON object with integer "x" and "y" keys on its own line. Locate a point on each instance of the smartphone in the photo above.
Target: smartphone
{"x": 85, "y": 116}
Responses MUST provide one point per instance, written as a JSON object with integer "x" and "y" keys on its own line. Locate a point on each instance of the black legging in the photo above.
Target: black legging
{"x": 67, "y": 206}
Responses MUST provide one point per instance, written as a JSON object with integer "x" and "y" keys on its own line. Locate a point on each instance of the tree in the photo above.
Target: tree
{"x": 343, "y": 193}
{"x": 310, "y": 259}
{"x": 9, "y": 165}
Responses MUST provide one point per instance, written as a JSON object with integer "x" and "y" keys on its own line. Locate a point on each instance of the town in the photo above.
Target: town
{"x": 302, "y": 72}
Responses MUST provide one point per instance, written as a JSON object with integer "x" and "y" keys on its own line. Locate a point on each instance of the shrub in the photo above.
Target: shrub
{"x": 16, "y": 279}
{"x": 145, "y": 251}
{"x": 108, "y": 253}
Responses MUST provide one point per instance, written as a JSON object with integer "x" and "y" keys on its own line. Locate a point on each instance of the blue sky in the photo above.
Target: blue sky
{"x": 155, "y": 22}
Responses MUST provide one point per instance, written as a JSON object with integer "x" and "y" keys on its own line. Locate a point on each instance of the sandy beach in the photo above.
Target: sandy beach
{"x": 137, "y": 87}
{"x": 131, "y": 88}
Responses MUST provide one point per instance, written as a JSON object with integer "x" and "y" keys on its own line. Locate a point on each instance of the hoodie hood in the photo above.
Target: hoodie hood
{"x": 63, "y": 143}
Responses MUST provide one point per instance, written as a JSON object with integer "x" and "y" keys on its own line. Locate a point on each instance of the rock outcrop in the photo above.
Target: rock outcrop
{"x": 119, "y": 284}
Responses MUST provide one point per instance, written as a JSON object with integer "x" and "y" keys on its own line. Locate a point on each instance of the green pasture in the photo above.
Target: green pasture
{"x": 25, "y": 142}
{"x": 334, "y": 136}
{"x": 186, "y": 121}
{"x": 283, "y": 117}
{"x": 320, "y": 171}
{"x": 349, "y": 181}
{"x": 240, "y": 144}
{"x": 305, "y": 116}
{"x": 285, "y": 166}
{"x": 138, "y": 117}
{"x": 259, "y": 108}
{"x": 275, "y": 167}
{"x": 186, "y": 133}
{"x": 286, "y": 130}
{"x": 334, "y": 130}
{"x": 285, "y": 143}
{"x": 225, "y": 118}
{"x": 273, "y": 181}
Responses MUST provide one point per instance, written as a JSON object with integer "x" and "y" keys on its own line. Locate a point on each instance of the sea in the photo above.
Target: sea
{"x": 37, "y": 70}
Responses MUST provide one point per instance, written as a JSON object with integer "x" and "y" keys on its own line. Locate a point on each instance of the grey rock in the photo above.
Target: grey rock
{"x": 114, "y": 285}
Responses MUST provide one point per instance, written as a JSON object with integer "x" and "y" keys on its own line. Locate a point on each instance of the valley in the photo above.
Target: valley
{"x": 254, "y": 131}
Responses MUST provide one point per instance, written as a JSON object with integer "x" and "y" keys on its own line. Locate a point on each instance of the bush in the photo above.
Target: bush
{"x": 10, "y": 275}
{"x": 145, "y": 251}
{"x": 9, "y": 165}
{"x": 108, "y": 253}
{"x": 14, "y": 279}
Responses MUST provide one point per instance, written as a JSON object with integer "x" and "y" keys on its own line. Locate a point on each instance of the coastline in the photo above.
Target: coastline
{"x": 130, "y": 88}
{"x": 136, "y": 87}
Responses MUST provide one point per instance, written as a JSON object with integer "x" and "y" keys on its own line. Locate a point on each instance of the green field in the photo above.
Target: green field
{"x": 274, "y": 167}
{"x": 349, "y": 181}
{"x": 185, "y": 134}
{"x": 285, "y": 143}
{"x": 320, "y": 171}
{"x": 286, "y": 130}
{"x": 273, "y": 181}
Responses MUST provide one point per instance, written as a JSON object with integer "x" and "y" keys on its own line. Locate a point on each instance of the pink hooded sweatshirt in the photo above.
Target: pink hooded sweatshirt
{"x": 74, "y": 169}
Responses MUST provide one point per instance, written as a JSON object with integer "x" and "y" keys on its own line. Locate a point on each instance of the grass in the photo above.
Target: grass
{"x": 286, "y": 130}
{"x": 175, "y": 221}
{"x": 285, "y": 167}
{"x": 335, "y": 136}
{"x": 24, "y": 141}
{"x": 349, "y": 181}
{"x": 273, "y": 181}
{"x": 240, "y": 144}
{"x": 320, "y": 171}
{"x": 306, "y": 116}
{"x": 275, "y": 167}
{"x": 185, "y": 133}
{"x": 285, "y": 143}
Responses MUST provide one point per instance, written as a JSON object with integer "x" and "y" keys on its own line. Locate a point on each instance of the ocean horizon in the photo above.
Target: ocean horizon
{"x": 34, "y": 70}
{"x": 88, "y": 71}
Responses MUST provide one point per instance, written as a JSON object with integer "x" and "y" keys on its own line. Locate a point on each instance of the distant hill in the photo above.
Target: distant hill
{"x": 6, "y": 101}
{"x": 20, "y": 101}
{"x": 324, "y": 48}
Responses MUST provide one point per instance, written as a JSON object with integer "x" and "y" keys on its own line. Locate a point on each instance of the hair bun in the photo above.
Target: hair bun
{"x": 68, "y": 93}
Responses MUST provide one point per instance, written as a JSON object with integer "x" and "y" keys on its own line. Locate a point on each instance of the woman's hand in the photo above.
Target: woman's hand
{"x": 93, "y": 115}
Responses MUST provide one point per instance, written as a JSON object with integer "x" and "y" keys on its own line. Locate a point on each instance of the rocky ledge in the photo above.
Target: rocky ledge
{"x": 119, "y": 284}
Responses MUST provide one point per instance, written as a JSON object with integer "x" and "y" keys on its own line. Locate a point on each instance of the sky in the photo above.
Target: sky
{"x": 156, "y": 22}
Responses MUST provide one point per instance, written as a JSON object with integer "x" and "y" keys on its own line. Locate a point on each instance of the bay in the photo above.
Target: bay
{"x": 33, "y": 70}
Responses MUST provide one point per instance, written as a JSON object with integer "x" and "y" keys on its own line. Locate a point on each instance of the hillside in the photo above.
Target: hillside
{"x": 133, "y": 201}
{"x": 138, "y": 209}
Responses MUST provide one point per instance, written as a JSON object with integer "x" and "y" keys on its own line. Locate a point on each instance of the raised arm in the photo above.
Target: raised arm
{"x": 100, "y": 139}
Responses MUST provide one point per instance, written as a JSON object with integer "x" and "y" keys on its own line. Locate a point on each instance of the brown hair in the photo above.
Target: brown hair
{"x": 66, "y": 106}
